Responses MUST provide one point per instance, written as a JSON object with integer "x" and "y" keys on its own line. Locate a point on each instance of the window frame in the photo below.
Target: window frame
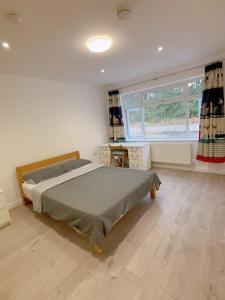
{"x": 185, "y": 98}
{"x": 137, "y": 109}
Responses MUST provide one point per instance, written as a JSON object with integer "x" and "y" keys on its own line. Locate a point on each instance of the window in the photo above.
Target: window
{"x": 165, "y": 113}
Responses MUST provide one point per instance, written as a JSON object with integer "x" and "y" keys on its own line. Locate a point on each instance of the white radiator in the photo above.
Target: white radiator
{"x": 172, "y": 153}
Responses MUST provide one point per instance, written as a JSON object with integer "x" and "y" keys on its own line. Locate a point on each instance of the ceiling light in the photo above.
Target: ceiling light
{"x": 5, "y": 45}
{"x": 13, "y": 17}
{"x": 102, "y": 71}
{"x": 160, "y": 49}
{"x": 99, "y": 44}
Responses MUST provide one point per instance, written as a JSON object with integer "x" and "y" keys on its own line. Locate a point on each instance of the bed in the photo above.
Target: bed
{"x": 89, "y": 197}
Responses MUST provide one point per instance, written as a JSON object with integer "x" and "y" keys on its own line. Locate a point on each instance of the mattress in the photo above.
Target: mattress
{"x": 27, "y": 188}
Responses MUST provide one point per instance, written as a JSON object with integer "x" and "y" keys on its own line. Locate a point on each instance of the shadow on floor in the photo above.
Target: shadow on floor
{"x": 117, "y": 234}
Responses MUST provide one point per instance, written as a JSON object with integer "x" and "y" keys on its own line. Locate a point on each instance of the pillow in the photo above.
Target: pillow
{"x": 72, "y": 164}
{"x": 54, "y": 170}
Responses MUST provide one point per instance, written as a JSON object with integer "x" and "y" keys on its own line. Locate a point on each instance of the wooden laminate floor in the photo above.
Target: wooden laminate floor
{"x": 171, "y": 248}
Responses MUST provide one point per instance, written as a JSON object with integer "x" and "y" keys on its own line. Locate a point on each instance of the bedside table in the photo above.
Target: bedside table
{"x": 4, "y": 212}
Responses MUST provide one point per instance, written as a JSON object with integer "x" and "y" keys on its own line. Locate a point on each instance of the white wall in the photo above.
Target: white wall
{"x": 40, "y": 119}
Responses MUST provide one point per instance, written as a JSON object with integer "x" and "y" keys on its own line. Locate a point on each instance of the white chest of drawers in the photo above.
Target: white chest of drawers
{"x": 4, "y": 212}
{"x": 139, "y": 154}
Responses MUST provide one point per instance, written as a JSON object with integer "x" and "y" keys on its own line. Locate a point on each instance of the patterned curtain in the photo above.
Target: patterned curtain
{"x": 116, "y": 125}
{"x": 211, "y": 147}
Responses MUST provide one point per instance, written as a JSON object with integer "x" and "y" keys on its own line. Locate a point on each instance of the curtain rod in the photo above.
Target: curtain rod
{"x": 164, "y": 76}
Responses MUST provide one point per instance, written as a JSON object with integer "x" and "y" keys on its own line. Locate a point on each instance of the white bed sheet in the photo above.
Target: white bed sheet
{"x": 27, "y": 188}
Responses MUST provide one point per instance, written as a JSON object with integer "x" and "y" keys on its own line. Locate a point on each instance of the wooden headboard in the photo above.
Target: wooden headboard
{"x": 40, "y": 164}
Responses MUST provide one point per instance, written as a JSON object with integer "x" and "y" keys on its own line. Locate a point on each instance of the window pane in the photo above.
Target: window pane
{"x": 165, "y": 120}
{"x": 134, "y": 123}
{"x": 132, "y": 100}
{"x": 194, "y": 115}
{"x": 163, "y": 94}
{"x": 195, "y": 87}
{"x": 171, "y": 111}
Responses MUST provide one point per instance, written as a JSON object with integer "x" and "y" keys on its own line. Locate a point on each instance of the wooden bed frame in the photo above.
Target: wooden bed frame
{"x": 20, "y": 171}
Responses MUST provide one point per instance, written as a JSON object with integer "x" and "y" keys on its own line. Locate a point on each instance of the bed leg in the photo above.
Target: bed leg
{"x": 97, "y": 250}
{"x": 153, "y": 193}
{"x": 26, "y": 201}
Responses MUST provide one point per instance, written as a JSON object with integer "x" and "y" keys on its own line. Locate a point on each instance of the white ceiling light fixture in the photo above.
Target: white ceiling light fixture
{"x": 5, "y": 45}
{"x": 123, "y": 13}
{"x": 160, "y": 49}
{"x": 99, "y": 44}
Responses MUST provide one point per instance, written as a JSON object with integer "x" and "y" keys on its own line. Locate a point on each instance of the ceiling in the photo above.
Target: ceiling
{"x": 50, "y": 42}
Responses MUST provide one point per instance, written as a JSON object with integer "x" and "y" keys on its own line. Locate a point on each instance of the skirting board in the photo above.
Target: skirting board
{"x": 188, "y": 168}
{"x": 14, "y": 204}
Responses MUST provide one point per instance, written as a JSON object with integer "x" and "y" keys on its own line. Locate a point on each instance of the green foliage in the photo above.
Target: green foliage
{"x": 166, "y": 113}
{"x": 193, "y": 108}
{"x": 163, "y": 94}
{"x": 172, "y": 113}
{"x": 195, "y": 88}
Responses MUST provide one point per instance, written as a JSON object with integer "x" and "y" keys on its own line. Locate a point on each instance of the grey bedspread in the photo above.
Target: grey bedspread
{"x": 93, "y": 202}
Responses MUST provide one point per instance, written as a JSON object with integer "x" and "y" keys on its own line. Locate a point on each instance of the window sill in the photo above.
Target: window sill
{"x": 162, "y": 140}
